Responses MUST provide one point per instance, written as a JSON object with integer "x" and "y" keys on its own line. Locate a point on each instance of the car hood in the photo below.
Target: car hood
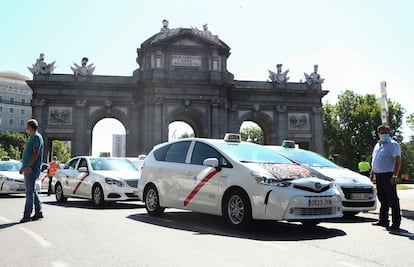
{"x": 13, "y": 175}
{"x": 120, "y": 175}
{"x": 341, "y": 175}
{"x": 285, "y": 171}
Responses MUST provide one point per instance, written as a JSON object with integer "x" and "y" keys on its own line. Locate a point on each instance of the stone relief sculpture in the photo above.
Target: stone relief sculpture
{"x": 60, "y": 115}
{"x": 314, "y": 77}
{"x": 298, "y": 121}
{"x": 84, "y": 69}
{"x": 41, "y": 67}
{"x": 279, "y": 77}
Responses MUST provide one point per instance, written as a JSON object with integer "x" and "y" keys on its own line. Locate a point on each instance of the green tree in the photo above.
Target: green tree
{"x": 410, "y": 121}
{"x": 350, "y": 126}
{"x": 186, "y": 135}
{"x": 252, "y": 134}
{"x": 60, "y": 150}
{"x": 13, "y": 144}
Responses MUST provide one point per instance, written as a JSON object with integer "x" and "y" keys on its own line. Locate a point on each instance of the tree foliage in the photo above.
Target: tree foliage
{"x": 13, "y": 144}
{"x": 350, "y": 126}
{"x": 60, "y": 150}
{"x": 252, "y": 134}
{"x": 410, "y": 121}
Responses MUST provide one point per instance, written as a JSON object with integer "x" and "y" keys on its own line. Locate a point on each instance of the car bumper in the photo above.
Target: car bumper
{"x": 276, "y": 205}
{"x": 116, "y": 193}
{"x": 12, "y": 188}
{"x": 357, "y": 199}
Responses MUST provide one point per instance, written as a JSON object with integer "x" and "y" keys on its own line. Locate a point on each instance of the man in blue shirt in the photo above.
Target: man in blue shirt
{"x": 31, "y": 161}
{"x": 386, "y": 163}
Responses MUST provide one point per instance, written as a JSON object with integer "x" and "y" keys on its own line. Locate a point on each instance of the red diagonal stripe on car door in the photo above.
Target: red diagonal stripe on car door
{"x": 79, "y": 183}
{"x": 199, "y": 186}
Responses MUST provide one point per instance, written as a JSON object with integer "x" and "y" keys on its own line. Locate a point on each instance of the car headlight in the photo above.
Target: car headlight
{"x": 265, "y": 179}
{"x": 111, "y": 181}
{"x": 7, "y": 179}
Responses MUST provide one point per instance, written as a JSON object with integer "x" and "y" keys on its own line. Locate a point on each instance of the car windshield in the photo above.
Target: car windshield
{"x": 111, "y": 164}
{"x": 10, "y": 166}
{"x": 306, "y": 158}
{"x": 252, "y": 153}
{"x": 136, "y": 162}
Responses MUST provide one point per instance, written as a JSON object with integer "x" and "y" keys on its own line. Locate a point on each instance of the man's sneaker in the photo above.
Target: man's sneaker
{"x": 24, "y": 219}
{"x": 383, "y": 224}
{"x": 37, "y": 217}
{"x": 394, "y": 227}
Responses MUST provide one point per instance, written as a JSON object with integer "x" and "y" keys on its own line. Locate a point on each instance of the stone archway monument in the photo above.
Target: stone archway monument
{"x": 183, "y": 76}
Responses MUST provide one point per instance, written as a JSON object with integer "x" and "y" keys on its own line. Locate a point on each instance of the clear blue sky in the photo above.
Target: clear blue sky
{"x": 356, "y": 43}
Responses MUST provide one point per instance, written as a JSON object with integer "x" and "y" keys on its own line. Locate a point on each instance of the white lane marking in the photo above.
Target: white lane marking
{"x": 43, "y": 242}
{"x": 5, "y": 220}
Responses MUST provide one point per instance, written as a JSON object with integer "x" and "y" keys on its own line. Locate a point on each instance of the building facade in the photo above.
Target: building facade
{"x": 15, "y": 102}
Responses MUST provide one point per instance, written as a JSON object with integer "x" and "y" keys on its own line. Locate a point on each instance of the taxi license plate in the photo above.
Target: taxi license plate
{"x": 359, "y": 196}
{"x": 320, "y": 202}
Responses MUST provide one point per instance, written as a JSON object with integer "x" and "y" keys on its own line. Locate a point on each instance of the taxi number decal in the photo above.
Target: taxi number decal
{"x": 79, "y": 183}
{"x": 199, "y": 186}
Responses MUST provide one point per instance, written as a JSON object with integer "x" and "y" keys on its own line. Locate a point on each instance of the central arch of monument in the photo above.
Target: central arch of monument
{"x": 182, "y": 76}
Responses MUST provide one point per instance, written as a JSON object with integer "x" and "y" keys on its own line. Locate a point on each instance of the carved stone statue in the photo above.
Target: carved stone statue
{"x": 314, "y": 77}
{"x": 84, "y": 70}
{"x": 41, "y": 67}
{"x": 279, "y": 77}
{"x": 164, "y": 26}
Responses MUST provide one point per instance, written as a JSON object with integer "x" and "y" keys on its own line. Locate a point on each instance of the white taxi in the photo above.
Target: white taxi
{"x": 357, "y": 191}
{"x": 11, "y": 181}
{"x": 238, "y": 180}
{"x": 100, "y": 179}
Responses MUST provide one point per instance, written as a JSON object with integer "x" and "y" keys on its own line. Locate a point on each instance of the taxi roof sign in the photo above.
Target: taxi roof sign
{"x": 232, "y": 137}
{"x": 288, "y": 143}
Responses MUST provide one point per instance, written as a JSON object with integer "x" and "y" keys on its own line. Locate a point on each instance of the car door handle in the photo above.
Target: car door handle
{"x": 188, "y": 173}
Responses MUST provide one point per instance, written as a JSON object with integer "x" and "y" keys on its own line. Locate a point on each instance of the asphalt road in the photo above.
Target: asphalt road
{"x": 122, "y": 234}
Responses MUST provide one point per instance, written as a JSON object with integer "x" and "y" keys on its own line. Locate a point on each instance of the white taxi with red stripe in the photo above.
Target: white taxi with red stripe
{"x": 238, "y": 180}
{"x": 100, "y": 179}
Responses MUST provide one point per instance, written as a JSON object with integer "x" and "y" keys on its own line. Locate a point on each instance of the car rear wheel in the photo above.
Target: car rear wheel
{"x": 237, "y": 209}
{"x": 60, "y": 197}
{"x": 152, "y": 202}
{"x": 98, "y": 195}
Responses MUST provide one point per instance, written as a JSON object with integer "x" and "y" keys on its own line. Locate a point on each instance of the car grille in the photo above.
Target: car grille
{"x": 349, "y": 191}
{"x": 314, "y": 211}
{"x": 312, "y": 189}
{"x": 133, "y": 183}
{"x": 358, "y": 204}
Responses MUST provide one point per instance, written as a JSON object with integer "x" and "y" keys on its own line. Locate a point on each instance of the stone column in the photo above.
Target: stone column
{"x": 317, "y": 133}
{"x": 82, "y": 137}
{"x": 282, "y": 124}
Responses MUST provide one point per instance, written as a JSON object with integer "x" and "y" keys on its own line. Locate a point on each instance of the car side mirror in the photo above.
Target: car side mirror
{"x": 212, "y": 162}
{"x": 43, "y": 167}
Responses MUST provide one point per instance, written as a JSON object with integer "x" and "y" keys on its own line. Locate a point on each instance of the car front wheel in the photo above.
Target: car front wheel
{"x": 98, "y": 196}
{"x": 60, "y": 197}
{"x": 152, "y": 202}
{"x": 237, "y": 209}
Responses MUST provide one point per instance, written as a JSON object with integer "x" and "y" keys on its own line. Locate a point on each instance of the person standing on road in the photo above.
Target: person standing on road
{"x": 31, "y": 161}
{"x": 53, "y": 167}
{"x": 386, "y": 163}
{"x": 364, "y": 167}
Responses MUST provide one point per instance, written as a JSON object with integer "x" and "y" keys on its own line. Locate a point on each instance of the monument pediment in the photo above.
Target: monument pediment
{"x": 185, "y": 37}
{"x": 186, "y": 42}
